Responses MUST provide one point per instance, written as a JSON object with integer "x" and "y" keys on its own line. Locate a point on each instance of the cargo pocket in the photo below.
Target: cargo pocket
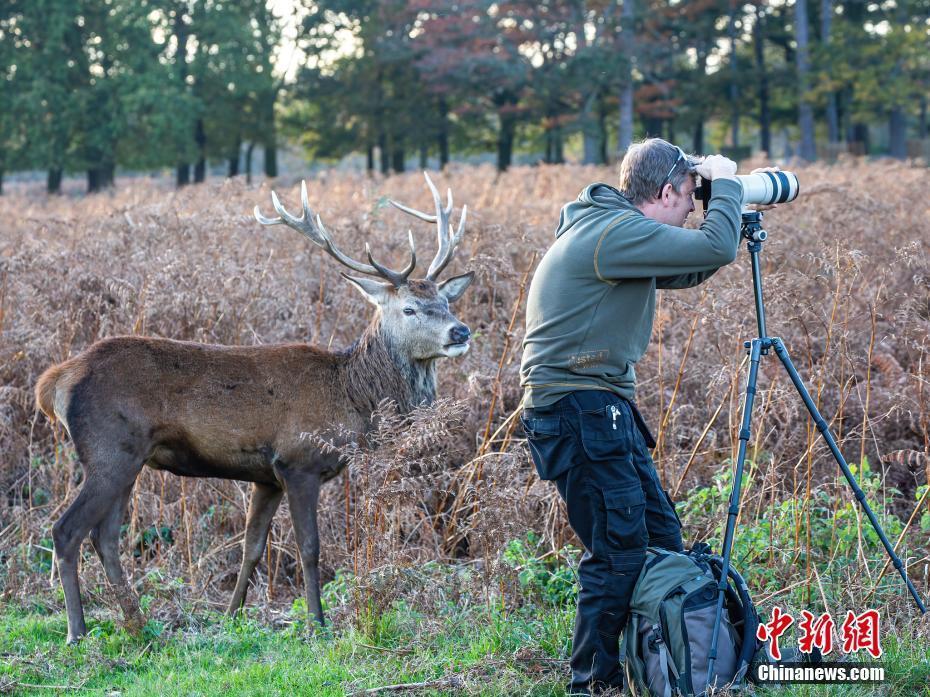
{"x": 606, "y": 433}
{"x": 624, "y": 533}
{"x": 547, "y": 443}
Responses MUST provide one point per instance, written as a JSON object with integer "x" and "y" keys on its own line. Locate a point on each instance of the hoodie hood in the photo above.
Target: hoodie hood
{"x": 594, "y": 199}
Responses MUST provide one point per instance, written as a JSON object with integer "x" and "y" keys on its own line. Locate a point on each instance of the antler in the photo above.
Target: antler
{"x": 447, "y": 242}
{"x": 310, "y": 225}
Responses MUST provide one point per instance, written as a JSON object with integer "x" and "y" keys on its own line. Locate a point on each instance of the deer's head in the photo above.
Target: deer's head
{"x": 413, "y": 314}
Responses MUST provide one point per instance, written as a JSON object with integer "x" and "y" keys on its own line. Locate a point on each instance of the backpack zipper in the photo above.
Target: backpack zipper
{"x": 614, "y": 412}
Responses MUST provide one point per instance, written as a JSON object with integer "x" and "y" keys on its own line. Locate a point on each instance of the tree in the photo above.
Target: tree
{"x": 805, "y": 111}
{"x": 47, "y": 67}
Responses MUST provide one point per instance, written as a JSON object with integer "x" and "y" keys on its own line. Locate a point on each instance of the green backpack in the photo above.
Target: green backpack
{"x": 668, "y": 634}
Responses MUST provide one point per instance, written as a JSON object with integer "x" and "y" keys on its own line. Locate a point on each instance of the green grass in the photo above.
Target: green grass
{"x": 221, "y": 656}
{"x": 493, "y": 653}
{"x": 446, "y": 628}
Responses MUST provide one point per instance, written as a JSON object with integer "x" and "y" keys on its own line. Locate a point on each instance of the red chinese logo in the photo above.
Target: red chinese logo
{"x": 774, "y": 629}
{"x": 816, "y": 633}
{"x": 861, "y": 632}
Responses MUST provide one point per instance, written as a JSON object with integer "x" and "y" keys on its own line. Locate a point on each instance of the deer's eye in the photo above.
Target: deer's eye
{"x": 409, "y": 311}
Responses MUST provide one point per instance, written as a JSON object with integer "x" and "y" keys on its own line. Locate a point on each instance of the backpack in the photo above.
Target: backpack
{"x": 668, "y": 634}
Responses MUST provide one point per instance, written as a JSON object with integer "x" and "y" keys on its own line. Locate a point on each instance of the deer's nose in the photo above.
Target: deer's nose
{"x": 459, "y": 334}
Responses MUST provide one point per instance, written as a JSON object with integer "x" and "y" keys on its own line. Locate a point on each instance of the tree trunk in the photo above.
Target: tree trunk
{"x": 370, "y": 159}
{"x": 200, "y": 168}
{"x": 653, "y": 126}
{"x": 698, "y": 137}
{"x": 108, "y": 174}
{"x": 590, "y": 129}
{"x": 384, "y": 155}
{"x": 248, "y": 162}
{"x": 424, "y": 156}
{"x": 505, "y": 137}
{"x": 826, "y": 24}
{"x": 93, "y": 181}
{"x": 922, "y": 119}
{"x": 53, "y": 181}
{"x": 762, "y": 79}
{"x": 443, "y": 136}
{"x": 602, "y": 115}
{"x": 181, "y": 34}
{"x": 233, "y": 169}
{"x": 627, "y": 40}
{"x": 271, "y": 134}
{"x": 808, "y": 150}
{"x": 897, "y": 132}
{"x": 380, "y": 119}
{"x": 1, "y": 182}
{"x": 734, "y": 78}
{"x": 398, "y": 157}
{"x": 860, "y": 134}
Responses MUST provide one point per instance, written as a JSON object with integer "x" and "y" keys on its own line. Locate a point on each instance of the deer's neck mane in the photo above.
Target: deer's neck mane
{"x": 376, "y": 370}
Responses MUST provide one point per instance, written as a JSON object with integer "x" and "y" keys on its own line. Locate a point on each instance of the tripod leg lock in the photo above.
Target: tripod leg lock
{"x": 744, "y": 434}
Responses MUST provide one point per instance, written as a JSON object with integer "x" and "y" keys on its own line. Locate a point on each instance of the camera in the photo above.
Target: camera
{"x": 764, "y": 188}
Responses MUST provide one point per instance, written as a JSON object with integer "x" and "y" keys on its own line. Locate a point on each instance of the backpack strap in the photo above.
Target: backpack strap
{"x": 664, "y": 662}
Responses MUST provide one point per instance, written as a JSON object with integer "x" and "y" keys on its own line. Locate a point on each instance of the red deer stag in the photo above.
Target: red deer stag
{"x": 238, "y": 412}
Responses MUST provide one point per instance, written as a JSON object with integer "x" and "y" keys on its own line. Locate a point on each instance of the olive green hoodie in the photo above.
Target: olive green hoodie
{"x": 592, "y": 299}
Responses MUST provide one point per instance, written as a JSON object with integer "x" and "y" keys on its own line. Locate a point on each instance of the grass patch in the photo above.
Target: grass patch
{"x": 490, "y": 650}
{"x": 485, "y": 649}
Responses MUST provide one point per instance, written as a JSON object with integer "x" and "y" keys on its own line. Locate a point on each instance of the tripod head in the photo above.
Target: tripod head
{"x": 751, "y": 228}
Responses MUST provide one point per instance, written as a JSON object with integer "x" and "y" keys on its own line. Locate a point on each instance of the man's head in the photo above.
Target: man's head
{"x": 659, "y": 179}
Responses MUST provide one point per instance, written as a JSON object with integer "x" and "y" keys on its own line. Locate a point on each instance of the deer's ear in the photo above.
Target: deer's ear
{"x": 453, "y": 288}
{"x": 375, "y": 292}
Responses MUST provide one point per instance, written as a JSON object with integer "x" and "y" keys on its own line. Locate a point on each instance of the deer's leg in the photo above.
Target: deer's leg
{"x": 303, "y": 493}
{"x": 262, "y": 506}
{"x": 105, "y": 539}
{"x": 93, "y": 503}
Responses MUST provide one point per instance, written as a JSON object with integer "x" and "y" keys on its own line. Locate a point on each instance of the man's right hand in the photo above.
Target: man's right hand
{"x": 716, "y": 167}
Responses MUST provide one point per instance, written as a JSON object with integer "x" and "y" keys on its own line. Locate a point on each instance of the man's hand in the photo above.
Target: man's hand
{"x": 716, "y": 167}
{"x": 759, "y": 206}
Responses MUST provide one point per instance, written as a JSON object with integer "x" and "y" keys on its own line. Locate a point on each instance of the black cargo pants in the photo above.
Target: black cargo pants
{"x": 595, "y": 446}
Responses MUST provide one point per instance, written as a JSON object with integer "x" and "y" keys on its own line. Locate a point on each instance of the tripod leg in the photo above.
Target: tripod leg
{"x": 755, "y": 351}
{"x": 821, "y": 425}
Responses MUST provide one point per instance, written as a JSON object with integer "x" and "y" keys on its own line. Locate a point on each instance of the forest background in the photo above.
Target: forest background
{"x": 92, "y": 86}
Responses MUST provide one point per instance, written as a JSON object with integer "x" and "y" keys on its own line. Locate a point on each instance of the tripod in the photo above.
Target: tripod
{"x": 752, "y": 231}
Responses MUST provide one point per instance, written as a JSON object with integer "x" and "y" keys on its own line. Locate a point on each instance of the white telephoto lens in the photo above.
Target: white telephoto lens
{"x": 769, "y": 187}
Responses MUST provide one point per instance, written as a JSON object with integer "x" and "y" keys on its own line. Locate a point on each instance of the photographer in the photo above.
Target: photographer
{"x": 589, "y": 317}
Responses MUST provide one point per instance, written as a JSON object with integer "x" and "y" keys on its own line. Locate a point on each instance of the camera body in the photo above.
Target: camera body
{"x": 763, "y": 188}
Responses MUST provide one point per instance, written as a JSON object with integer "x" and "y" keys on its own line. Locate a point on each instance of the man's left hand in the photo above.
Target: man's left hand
{"x": 759, "y": 206}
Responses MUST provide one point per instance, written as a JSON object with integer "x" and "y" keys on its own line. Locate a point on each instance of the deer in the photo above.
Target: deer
{"x": 243, "y": 412}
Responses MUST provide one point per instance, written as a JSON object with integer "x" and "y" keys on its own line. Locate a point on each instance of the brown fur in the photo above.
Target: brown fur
{"x": 45, "y": 390}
